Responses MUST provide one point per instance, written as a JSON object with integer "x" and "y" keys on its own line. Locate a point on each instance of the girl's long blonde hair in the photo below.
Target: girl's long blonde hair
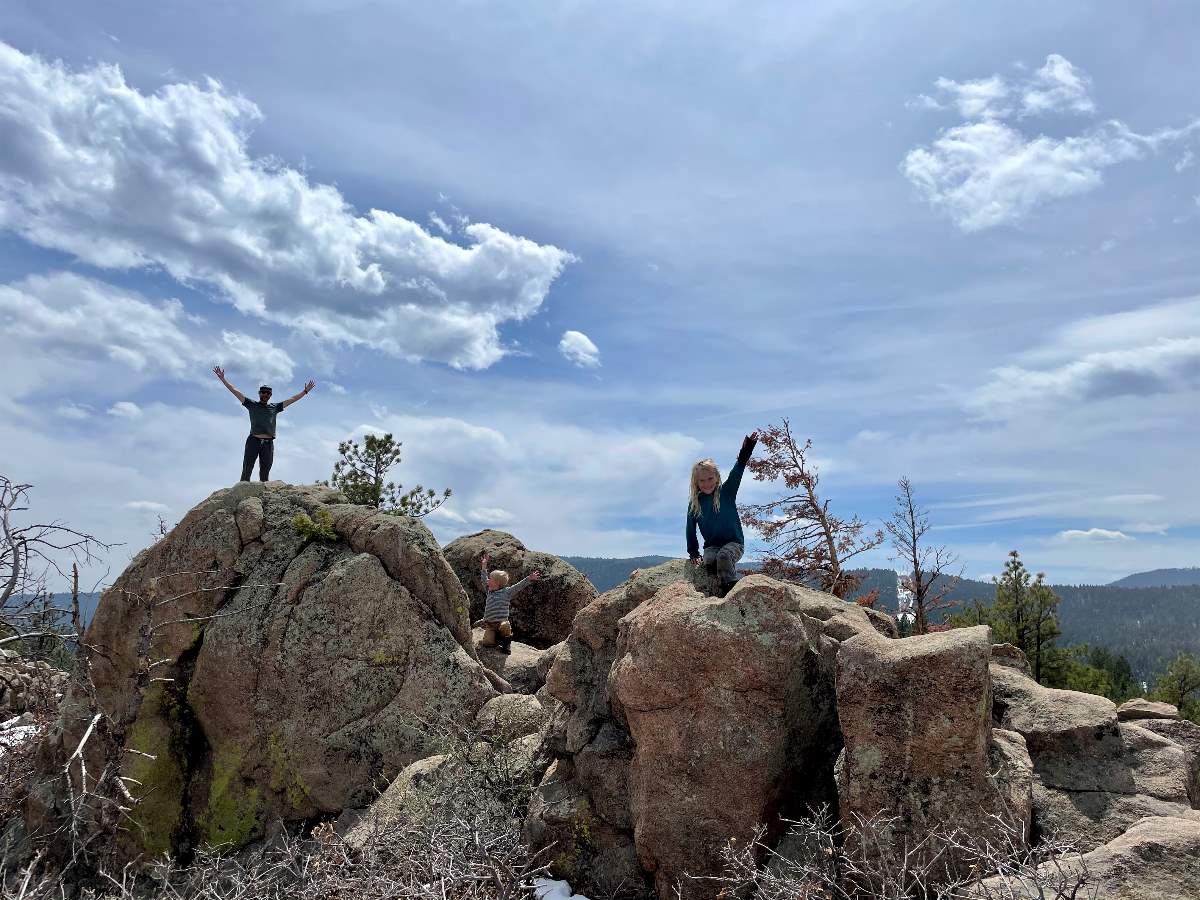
{"x": 694, "y": 499}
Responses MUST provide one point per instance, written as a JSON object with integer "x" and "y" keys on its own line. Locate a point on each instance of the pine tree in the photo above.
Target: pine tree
{"x": 360, "y": 475}
{"x": 1044, "y": 631}
{"x": 1179, "y": 685}
{"x": 1012, "y": 607}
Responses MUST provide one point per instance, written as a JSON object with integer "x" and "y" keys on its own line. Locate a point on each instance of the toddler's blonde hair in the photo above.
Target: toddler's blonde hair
{"x": 704, "y": 465}
{"x": 500, "y": 577}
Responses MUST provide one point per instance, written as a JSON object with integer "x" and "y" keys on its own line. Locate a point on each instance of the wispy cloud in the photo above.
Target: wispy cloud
{"x": 1093, "y": 534}
{"x": 75, "y": 411}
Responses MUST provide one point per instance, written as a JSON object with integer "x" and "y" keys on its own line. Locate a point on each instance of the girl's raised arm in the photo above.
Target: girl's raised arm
{"x": 735, "y": 474}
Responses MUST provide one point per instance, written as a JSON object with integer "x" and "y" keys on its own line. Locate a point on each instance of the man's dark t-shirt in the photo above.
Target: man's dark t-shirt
{"x": 262, "y": 416}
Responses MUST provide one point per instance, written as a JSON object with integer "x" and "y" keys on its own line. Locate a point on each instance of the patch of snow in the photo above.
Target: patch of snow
{"x": 549, "y": 889}
{"x": 13, "y": 735}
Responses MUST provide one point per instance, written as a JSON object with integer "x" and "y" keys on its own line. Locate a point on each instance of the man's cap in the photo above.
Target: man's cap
{"x": 264, "y": 387}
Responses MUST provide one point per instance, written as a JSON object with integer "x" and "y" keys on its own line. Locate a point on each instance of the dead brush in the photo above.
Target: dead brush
{"x": 868, "y": 859}
{"x": 457, "y": 837}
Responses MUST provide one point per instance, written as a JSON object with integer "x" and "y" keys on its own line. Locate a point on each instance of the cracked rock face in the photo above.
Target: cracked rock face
{"x": 296, "y": 672}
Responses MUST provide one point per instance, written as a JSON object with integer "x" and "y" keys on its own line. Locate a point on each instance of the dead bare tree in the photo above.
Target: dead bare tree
{"x": 926, "y": 579}
{"x": 807, "y": 542}
{"x": 29, "y": 555}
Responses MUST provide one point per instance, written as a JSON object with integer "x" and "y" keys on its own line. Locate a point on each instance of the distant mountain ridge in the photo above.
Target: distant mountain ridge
{"x": 1160, "y": 578}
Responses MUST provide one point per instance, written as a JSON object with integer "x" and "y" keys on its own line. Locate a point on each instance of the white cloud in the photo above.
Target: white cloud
{"x": 984, "y": 98}
{"x": 125, "y": 409}
{"x": 985, "y": 172}
{"x": 76, "y": 411}
{"x": 79, "y": 318}
{"x": 120, "y": 179}
{"x": 439, "y": 223}
{"x": 491, "y": 515}
{"x": 1057, "y": 87}
{"x": 1093, "y": 534}
{"x": 579, "y": 349}
{"x": 147, "y": 506}
{"x": 1186, "y": 161}
{"x": 261, "y": 358}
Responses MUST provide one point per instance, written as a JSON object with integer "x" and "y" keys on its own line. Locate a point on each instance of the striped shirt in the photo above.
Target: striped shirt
{"x": 498, "y": 603}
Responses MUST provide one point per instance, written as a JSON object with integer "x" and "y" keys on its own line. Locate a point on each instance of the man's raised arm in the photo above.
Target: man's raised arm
{"x": 220, "y": 373}
{"x": 290, "y": 400}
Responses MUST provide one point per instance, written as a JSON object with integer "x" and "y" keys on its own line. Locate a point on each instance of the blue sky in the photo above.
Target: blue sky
{"x": 562, "y": 250}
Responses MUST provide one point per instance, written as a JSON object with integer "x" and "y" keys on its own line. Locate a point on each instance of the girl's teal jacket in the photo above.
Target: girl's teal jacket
{"x": 725, "y": 526}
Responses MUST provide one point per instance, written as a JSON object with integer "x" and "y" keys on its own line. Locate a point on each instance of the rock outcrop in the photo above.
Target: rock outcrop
{"x": 1141, "y": 708}
{"x": 22, "y": 680}
{"x": 916, "y": 719}
{"x": 543, "y": 612}
{"x": 264, "y": 675}
{"x": 1094, "y": 776}
{"x": 686, "y": 720}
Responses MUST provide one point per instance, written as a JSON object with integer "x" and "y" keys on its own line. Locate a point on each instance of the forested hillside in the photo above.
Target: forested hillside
{"x": 1149, "y": 626}
{"x": 607, "y": 573}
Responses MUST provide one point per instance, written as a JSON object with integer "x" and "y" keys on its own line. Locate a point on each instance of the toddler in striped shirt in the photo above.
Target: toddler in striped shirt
{"x": 497, "y": 630}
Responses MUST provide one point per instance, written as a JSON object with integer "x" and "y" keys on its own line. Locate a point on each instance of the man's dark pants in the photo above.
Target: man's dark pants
{"x": 263, "y": 450}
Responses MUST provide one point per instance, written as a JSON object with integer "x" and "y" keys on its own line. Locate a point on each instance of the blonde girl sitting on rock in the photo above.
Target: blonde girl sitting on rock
{"x": 497, "y": 630}
{"x": 712, "y": 507}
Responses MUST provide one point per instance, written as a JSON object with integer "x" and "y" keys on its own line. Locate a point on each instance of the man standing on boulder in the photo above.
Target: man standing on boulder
{"x": 260, "y": 445}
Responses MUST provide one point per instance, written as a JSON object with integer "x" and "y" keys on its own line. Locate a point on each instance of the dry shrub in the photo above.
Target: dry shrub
{"x": 458, "y": 838}
{"x": 820, "y": 859}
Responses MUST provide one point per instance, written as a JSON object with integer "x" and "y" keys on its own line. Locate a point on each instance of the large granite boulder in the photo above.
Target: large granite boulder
{"x": 543, "y": 612}
{"x": 916, "y": 719}
{"x": 261, "y": 674}
{"x": 1187, "y": 735}
{"x": 1094, "y": 776}
{"x": 730, "y": 706}
{"x": 587, "y": 798}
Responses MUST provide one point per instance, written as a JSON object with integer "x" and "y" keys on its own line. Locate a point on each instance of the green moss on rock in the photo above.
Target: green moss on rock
{"x": 284, "y": 777}
{"x": 159, "y": 811}
{"x": 234, "y": 812}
